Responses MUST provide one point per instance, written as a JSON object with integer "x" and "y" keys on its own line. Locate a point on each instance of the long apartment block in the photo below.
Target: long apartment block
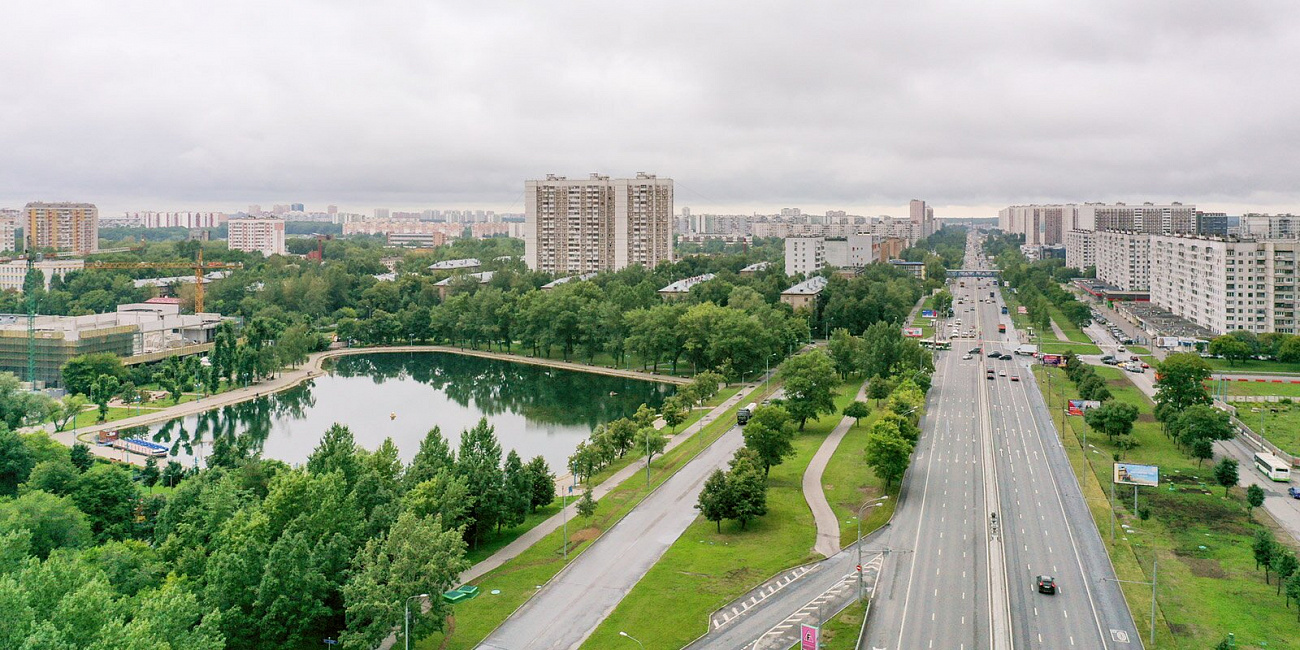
{"x": 598, "y": 223}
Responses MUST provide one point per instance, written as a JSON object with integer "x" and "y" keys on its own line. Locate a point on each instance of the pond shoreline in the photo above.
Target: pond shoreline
{"x": 311, "y": 369}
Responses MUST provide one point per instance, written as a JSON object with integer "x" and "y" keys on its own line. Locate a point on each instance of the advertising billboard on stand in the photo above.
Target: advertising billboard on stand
{"x": 1130, "y": 474}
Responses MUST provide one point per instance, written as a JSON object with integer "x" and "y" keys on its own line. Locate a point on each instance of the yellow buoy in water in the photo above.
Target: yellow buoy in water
{"x": 392, "y": 415}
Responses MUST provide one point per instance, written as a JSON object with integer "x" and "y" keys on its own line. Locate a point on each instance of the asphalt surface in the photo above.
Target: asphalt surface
{"x": 565, "y": 611}
{"x": 939, "y": 595}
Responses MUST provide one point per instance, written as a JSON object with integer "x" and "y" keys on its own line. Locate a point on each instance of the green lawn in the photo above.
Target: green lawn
{"x": 705, "y": 568}
{"x": 1061, "y": 347}
{"x": 841, "y": 632}
{"x": 1254, "y": 366}
{"x": 1071, "y": 330}
{"x": 1208, "y": 582}
{"x": 1281, "y": 423}
{"x": 1284, "y": 389}
{"x": 849, "y": 484}
{"x": 518, "y": 578}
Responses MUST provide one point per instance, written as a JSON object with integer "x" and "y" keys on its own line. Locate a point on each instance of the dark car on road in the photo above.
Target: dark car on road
{"x": 1295, "y": 494}
{"x": 1045, "y": 584}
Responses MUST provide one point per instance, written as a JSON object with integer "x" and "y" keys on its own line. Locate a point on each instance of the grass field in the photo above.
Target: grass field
{"x": 519, "y": 578}
{"x": 705, "y": 568}
{"x": 1208, "y": 585}
{"x": 1061, "y": 347}
{"x": 849, "y": 484}
{"x": 841, "y": 632}
{"x": 1281, "y": 423}
{"x": 1071, "y": 330}
{"x": 1255, "y": 366}
{"x": 1283, "y": 389}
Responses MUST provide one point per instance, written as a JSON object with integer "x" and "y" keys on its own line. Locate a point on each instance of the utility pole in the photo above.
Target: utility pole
{"x": 1154, "y": 561}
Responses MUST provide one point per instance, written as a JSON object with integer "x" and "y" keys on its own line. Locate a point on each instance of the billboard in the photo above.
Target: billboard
{"x": 1078, "y": 406}
{"x": 808, "y": 637}
{"x": 914, "y": 332}
{"x": 1051, "y": 359}
{"x": 927, "y": 313}
{"x": 1129, "y": 474}
{"x": 1021, "y": 310}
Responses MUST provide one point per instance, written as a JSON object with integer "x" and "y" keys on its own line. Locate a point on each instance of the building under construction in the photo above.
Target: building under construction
{"x": 133, "y": 331}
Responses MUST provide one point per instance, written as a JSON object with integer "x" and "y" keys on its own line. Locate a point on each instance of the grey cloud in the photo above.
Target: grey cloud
{"x": 859, "y": 105}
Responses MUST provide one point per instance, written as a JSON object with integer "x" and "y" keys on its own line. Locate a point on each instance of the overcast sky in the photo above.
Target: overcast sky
{"x": 748, "y": 106}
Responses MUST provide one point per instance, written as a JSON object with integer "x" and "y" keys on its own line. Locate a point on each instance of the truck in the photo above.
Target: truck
{"x": 1002, "y": 328}
{"x": 745, "y": 412}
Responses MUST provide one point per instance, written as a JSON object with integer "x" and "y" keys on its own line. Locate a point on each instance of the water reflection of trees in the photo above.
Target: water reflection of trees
{"x": 541, "y": 394}
{"x": 225, "y": 435}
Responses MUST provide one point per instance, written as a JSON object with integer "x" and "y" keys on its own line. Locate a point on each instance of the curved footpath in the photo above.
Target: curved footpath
{"x": 828, "y": 526}
{"x": 311, "y": 369}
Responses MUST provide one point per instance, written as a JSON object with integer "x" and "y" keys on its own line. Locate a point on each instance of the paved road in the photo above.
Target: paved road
{"x": 568, "y": 608}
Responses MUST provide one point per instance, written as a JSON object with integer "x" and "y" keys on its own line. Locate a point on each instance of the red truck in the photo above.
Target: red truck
{"x": 1002, "y": 328}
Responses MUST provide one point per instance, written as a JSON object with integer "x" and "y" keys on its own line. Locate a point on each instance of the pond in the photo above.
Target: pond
{"x": 535, "y": 410}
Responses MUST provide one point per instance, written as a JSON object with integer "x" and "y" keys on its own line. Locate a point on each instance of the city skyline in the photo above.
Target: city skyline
{"x": 851, "y": 107}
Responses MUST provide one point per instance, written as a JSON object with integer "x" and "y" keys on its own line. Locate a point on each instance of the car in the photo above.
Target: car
{"x": 1045, "y": 584}
{"x": 975, "y": 350}
{"x": 1002, "y": 373}
{"x": 1295, "y": 494}
{"x": 1107, "y": 358}
{"x": 1015, "y": 377}
{"x": 1145, "y": 365}
{"x": 1120, "y": 349}
{"x": 966, "y": 357}
{"x": 1134, "y": 357}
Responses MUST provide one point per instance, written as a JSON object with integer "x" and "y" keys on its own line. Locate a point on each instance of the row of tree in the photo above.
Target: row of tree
{"x": 1241, "y": 345}
{"x": 1038, "y": 284}
{"x": 1279, "y": 561}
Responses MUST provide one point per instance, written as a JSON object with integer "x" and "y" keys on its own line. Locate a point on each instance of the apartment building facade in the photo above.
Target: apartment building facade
{"x": 808, "y": 255}
{"x": 265, "y": 236}
{"x": 597, "y": 224}
{"x": 8, "y": 239}
{"x": 62, "y": 226}
{"x": 1123, "y": 259}
{"x": 1080, "y": 249}
{"x": 1226, "y": 284}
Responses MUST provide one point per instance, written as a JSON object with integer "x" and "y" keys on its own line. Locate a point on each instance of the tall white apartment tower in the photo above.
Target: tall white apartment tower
{"x": 256, "y": 235}
{"x": 597, "y": 224}
{"x": 922, "y": 218}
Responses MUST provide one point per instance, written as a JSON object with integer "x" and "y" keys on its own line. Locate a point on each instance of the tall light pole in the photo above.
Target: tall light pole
{"x": 870, "y": 504}
{"x": 1154, "y": 561}
{"x": 629, "y": 636}
{"x": 407, "y": 635}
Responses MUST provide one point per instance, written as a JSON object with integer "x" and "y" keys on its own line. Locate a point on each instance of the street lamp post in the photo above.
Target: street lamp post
{"x": 870, "y": 504}
{"x": 1154, "y": 561}
{"x": 629, "y": 636}
{"x": 407, "y": 635}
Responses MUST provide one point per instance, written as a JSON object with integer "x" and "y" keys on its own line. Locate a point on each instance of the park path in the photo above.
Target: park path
{"x": 828, "y": 525}
{"x": 310, "y": 369}
{"x": 1060, "y": 333}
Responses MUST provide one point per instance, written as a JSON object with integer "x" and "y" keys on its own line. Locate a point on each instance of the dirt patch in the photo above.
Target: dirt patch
{"x": 1204, "y": 567}
{"x": 1179, "y": 630}
{"x": 1146, "y": 417}
{"x": 738, "y": 573}
{"x": 1182, "y": 510}
{"x": 584, "y": 535}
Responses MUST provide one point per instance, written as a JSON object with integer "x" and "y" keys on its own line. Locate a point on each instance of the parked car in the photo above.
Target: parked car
{"x": 1133, "y": 357}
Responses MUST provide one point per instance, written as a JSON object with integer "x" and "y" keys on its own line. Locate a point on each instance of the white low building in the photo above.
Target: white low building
{"x": 13, "y": 273}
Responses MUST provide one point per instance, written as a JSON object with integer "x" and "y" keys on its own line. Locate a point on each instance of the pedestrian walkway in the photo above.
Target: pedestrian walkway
{"x": 828, "y": 525}
{"x": 1060, "y": 333}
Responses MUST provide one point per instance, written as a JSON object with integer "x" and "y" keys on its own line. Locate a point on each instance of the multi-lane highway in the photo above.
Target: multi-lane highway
{"x": 962, "y": 581}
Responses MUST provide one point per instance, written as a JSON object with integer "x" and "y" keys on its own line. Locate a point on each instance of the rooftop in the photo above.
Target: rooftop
{"x": 483, "y": 278}
{"x": 559, "y": 281}
{"x": 449, "y": 265}
{"x": 754, "y": 268}
{"x": 810, "y": 287}
{"x": 684, "y": 285}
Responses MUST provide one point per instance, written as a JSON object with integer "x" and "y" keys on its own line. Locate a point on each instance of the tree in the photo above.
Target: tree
{"x": 82, "y": 371}
{"x": 445, "y": 496}
{"x": 1202, "y": 450}
{"x": 879, "y": 389}
{"x": 651, "y": 441}
{"x": 294, "y": 344}
{"x": 1293, "y": 591}
{"x": 1113, "y": 418}
{"x": 715, "y": 502}
{"x": 517, "y": 494}
{"x": 336, "y": 452}
{"x": 587, "y": 504}
{"x": 172, "y": 473}
{"x": 857, "y": 410}
{"x": 434, "y": 454}
{"x": 747, "y": 488}
{"x": 53, "y": 476}
{"x": 150, "y": 474}
{"x": 68, "y": 408}
{"x": 102, "y": 390}
{"x": 673, "y": 413}
{"x": 479, "y": 462}
{"x": 1254, "y": 498}
{"x": 1181, "y": 384}
{"x": 53, "y": 521}
{"x": 810, "y": 384}
{"x": 81, "y": 457}
{"x": 16, "y": 461}
{"x": 846, "y": 351}
{"x": 770, "y": 434}
{"x": 888, "y": 452}
{"x": 1284, "y": 565}
{"x": 1263, "y": 548}
{"x": 1231, "y": 348}
{"x": 1289, "y": 352}
{"x": 108, "y": 496}
{"x": 1226, "y": 474}
{"x": 543, "y": 484}
{"x": 416, "y": 556}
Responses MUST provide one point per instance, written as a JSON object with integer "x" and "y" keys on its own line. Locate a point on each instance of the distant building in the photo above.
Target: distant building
{"x": 150, "y": 219}
{"x": 63, "y": 226}
{"x": 808, "y": 255}
{"x": 8, "y": 240}
{"x": 917, "y": 269}
{"x": 1212, "y": 224}
{"x": 804, "y": 295}
{"x": 131, "y": 331}
{"x": 682, "y": 288}
{"x": 1124, "y": 260}
{"x": 597, "y": 224}
{"x": 418, "y": 239}
{"x": 13, "y": 273}
{"x": 381, "y": 214}
{"x": 922, "y": 218}
{"x": 1080, "y": 249}
{"x": 1227, "y": 284}
{"x": 466, "y": 264}
{"x": 444, "y": 285}
{"x": 567, "y": 279}
{"x": 753, "y": 269}
{"x": 265, "y": 236}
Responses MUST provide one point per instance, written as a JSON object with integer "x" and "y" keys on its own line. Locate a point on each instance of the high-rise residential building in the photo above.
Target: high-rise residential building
{"x": 256, "y": 235}
{"x": 296, "y": 207}
{"x": 1124, "y": 259}
{"x": 331, "y": 210}
{"x": 8, "y": 241}
{"x": 597, "y": 224}
{"x": 922, "y": 218}
{"x": 808, "y": 255}
{"x": 14, "y": 273}
{"x": 254, "y": 210}
{"x": 381, "y": 214}
{"x": 1212, "y": 224}
{"x": 1271, "y": 226}
{"x": 63, "y": 226}
{"x": 1227, "y": 284}
{"x": 1080, "y": 249}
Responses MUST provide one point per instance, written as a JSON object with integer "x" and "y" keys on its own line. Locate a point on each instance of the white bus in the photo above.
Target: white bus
{"x": 1272, "y": 467}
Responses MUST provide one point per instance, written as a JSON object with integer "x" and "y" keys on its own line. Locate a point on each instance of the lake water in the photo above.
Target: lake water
{"x": 535, "y": 410}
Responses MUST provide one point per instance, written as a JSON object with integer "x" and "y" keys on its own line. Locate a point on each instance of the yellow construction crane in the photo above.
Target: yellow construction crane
{"x": 199, "y": 267}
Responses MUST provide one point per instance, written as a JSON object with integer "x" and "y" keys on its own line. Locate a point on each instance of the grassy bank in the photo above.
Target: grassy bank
{"x": 1254, "y": 366}
{"x": 849, "y": 483}
{"x": 1255, "y": 388}
{"x": 705, "y": 568}
{"x": 518, "y": 579}
{"x": 1208, "y": 585}
{"x": 841, "y": 631}
{"x": 1281, "y": 423}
